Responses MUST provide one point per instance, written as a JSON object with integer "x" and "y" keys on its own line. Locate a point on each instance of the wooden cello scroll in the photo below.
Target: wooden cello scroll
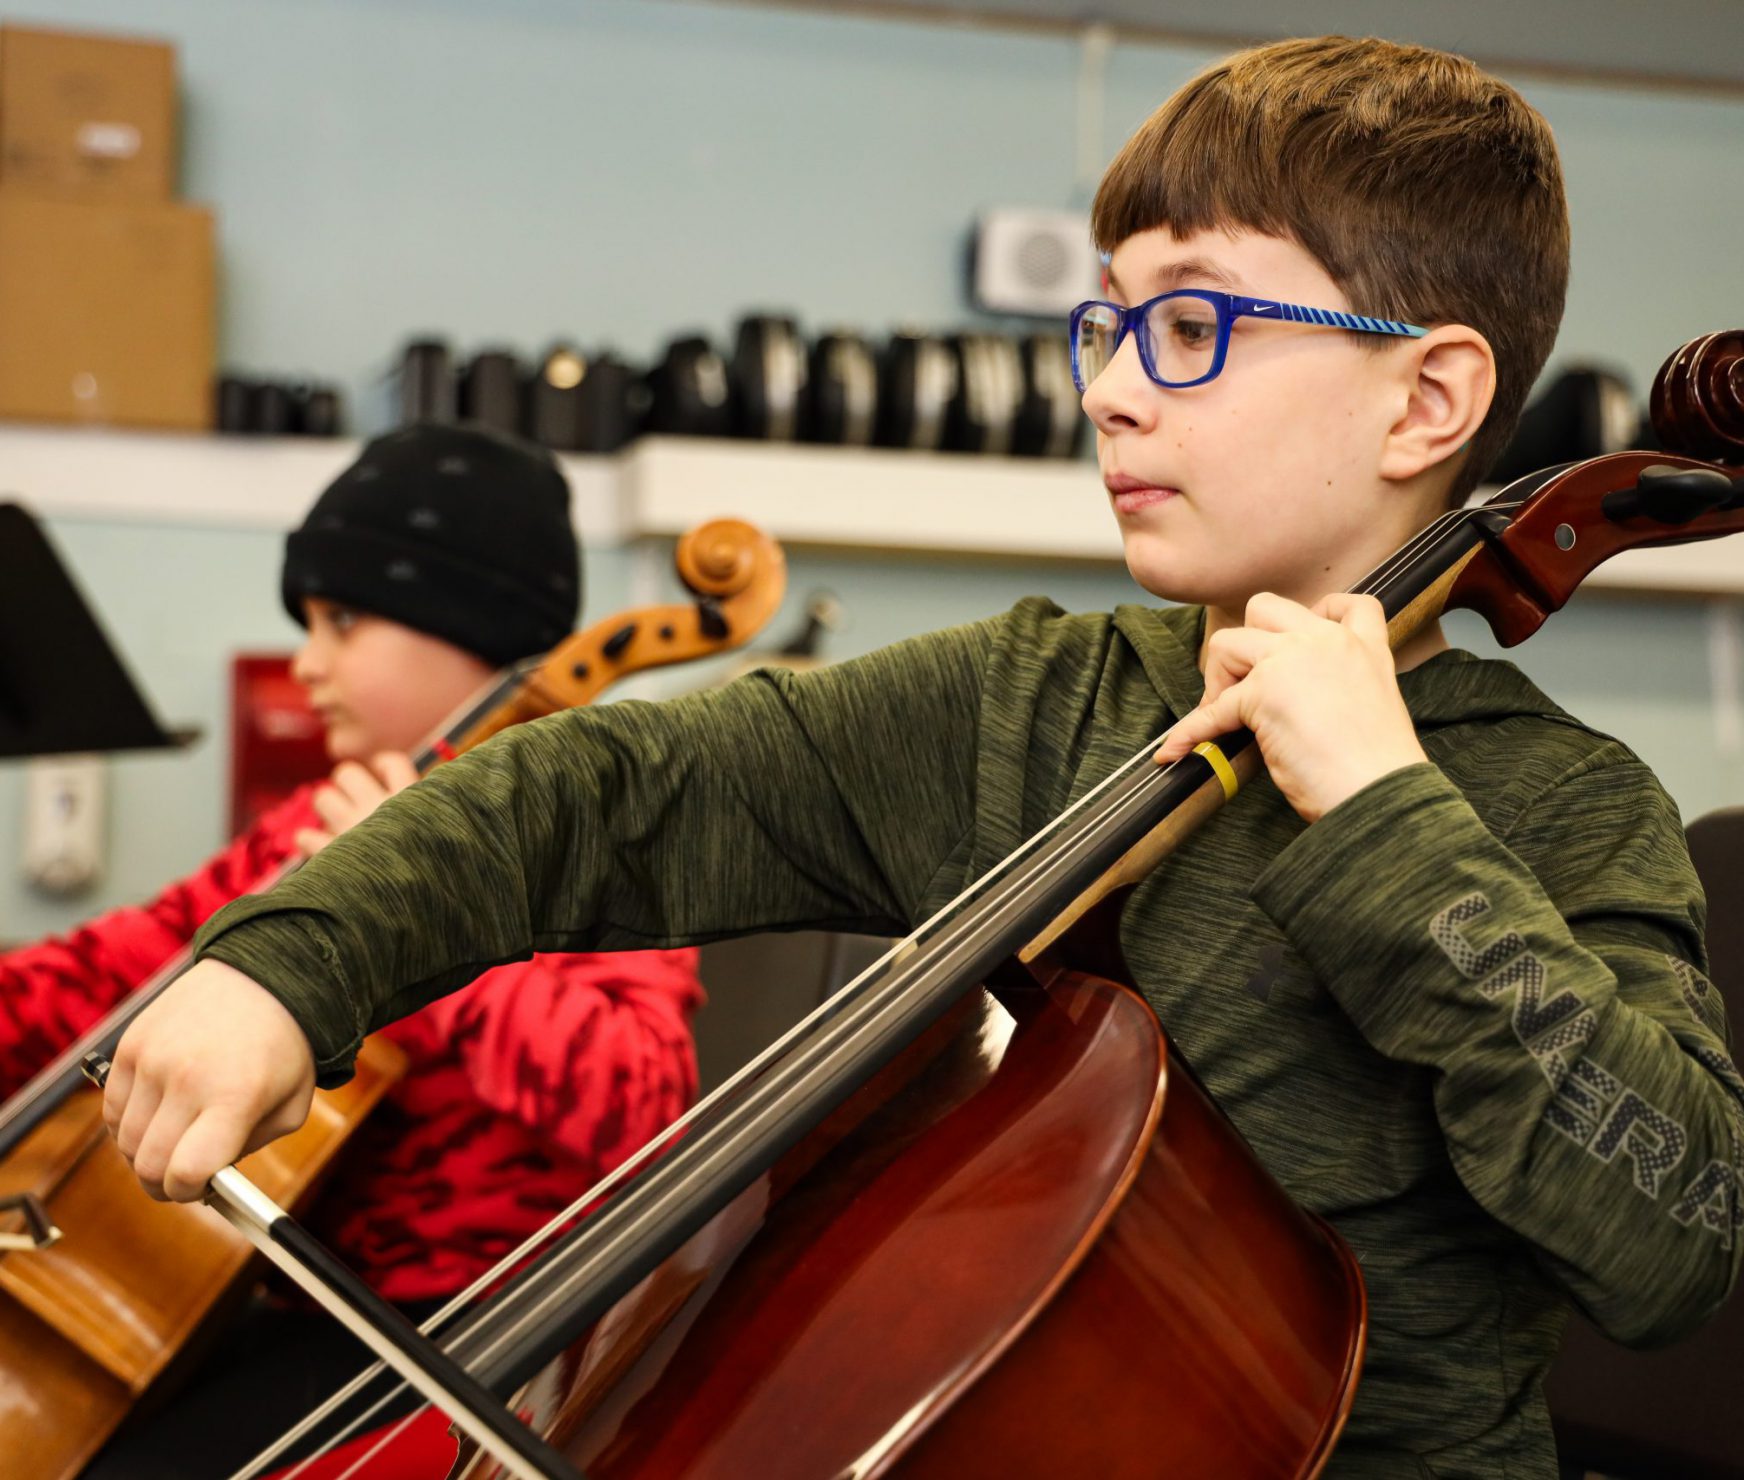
{"x": 88, "y": 1325}
{"x": 738, "y": 575}
{"x": 1697, "y": 404}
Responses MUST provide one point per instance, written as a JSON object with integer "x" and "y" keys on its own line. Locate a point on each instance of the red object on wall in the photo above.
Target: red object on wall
{"x": 277, "y": 742}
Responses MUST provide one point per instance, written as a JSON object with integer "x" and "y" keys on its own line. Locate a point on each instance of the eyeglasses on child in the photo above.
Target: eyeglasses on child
{"x": 1183, "y": 337}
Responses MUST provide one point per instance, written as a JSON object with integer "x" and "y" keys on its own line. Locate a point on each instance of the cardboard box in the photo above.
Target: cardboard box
{"x": 106, "y": 312}
{"x": 88, "y": 115}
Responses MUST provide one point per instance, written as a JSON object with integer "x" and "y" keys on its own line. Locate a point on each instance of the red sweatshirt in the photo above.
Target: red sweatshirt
{"x": 522, "y": 1089}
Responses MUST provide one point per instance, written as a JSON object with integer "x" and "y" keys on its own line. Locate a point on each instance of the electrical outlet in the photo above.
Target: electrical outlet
{"x": 65, "y": 813}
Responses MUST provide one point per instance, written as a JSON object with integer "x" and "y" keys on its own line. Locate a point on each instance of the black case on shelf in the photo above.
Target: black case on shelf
{"x": 768, "y": 374}
{"x": 691, "y": 395}
{"x": 843, "y": 390}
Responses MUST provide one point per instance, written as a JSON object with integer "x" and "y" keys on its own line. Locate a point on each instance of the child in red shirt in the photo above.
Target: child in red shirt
{"x": 441, "y": 555}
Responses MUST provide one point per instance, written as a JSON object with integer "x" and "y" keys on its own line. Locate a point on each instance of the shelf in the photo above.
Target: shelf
{"x": 841, "y": 499}
{"x": 875, "y": 499}
{"x": 1708, "y": 568}
{"x": 227, "y": 482}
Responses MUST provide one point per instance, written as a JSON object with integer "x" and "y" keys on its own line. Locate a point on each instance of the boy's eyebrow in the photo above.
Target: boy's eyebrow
{"x": 1192, "y": 271}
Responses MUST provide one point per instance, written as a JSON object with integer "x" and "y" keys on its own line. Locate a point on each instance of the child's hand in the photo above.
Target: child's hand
{"x": 1319, "y": 692}
{"x": 214, "y": 1068}
{"x": 352, "y": 794}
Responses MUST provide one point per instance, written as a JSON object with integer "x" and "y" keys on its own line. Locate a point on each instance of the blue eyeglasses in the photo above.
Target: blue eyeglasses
{"x": 1183, "y": 337}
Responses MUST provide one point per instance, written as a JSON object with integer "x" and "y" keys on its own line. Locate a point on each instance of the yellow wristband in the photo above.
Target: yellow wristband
{"x": 1219, "y": 763}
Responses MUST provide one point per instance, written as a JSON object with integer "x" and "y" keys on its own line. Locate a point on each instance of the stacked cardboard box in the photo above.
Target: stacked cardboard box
{"x": 106, "y": 281}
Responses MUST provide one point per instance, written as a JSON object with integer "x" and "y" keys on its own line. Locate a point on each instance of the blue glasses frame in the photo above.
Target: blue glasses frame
{"x": 1229, "y": 308}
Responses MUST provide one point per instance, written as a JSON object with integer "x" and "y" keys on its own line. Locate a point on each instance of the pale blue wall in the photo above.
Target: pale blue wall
{"x": 626, "y": 169}
{"x": 621, "y": 171}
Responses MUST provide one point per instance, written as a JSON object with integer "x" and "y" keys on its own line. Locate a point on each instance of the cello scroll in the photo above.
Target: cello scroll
{"x": 738, "y": 575}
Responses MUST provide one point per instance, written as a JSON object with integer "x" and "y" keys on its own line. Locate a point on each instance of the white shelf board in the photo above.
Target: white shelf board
{"x": 875, "y": 499}
{"x": 847, "y": 499}
{"x": 1706, "y": 568}
{"x": 231, "y": 482}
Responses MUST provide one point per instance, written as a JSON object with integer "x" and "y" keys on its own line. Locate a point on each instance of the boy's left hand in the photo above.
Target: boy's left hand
{"x": 1319, "y": 692}
{"x": 352, "y": 794}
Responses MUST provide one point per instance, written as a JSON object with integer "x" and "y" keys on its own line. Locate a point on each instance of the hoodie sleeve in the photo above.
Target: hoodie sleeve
{"x": 827, "y": 799}
{"x": 1552, "y": 980}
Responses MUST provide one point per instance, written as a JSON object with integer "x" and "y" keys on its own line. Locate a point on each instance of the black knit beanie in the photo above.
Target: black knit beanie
{"x": 454, "y": 531}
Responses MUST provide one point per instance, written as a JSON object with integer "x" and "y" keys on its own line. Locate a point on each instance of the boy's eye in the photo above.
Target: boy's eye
{"x": 1193, "y": 332}
{"x": 342, "y": 618}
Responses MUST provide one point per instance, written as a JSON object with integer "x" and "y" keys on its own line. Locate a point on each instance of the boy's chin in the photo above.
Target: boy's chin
{"x": 344, "y": 743}
{"x": 1159, "y": 570}
{"x": 1169, "y": 573}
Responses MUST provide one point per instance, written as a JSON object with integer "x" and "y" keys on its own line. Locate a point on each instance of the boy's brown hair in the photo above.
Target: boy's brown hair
{"x": 1428, "y": 190}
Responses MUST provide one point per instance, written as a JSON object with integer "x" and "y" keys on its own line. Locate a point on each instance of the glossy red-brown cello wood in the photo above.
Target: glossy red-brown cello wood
{"x": 1697, "y": 403}
{"x": 1031, "y": 1247}
{"x": 92, "y": 1321}
{"x": 1538, "y": 561}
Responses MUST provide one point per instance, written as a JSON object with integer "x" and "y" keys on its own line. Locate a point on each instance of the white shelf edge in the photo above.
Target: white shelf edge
{"x": 875, "y": 499}
{"x": 848, "y": 500}
{"x": 221, "y": 482}
{"x": 1707, "y": 568}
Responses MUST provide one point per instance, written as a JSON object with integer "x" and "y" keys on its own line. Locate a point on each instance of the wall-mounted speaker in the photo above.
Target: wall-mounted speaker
{"x": 1033, "y": 262}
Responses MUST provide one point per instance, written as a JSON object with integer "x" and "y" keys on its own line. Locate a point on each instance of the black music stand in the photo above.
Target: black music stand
{"x": 63, "y": 688}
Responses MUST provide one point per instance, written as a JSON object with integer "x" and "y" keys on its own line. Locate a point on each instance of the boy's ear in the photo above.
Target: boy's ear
{"x": 1447, "y": 379}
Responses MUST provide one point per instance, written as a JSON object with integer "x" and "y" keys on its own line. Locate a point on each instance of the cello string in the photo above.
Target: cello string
{"x": 1379, "y": 578}
{"x": 435, "y": 1325}
{"x": 837, "y": 1003}
{"x": 356, "y": 1466}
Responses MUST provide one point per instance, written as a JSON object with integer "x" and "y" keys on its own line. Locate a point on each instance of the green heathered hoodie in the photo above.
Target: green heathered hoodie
{"x": 1462, "y": 1016}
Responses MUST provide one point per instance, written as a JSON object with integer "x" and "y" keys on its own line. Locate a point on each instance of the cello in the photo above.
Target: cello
{"x": 90, "y": 1320}
{"x": 938, "y": 1227}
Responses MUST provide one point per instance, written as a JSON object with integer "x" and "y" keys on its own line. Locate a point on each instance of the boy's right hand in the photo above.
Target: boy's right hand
{"x": 211, "y": 1070}
{"x": 352, "y": 793}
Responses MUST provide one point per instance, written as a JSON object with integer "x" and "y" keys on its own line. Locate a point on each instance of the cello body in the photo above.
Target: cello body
{"x": 1030, "y": 1246}
{"x": 90, "y": 1322}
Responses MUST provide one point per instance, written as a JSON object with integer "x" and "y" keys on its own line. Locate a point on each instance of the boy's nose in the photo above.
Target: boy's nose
{"x": 305, "y": 664}
{"x": 1123, "y": 397}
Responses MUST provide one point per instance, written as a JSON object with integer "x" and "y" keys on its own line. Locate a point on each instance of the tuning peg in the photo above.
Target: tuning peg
{"x": 1669, "y": 495}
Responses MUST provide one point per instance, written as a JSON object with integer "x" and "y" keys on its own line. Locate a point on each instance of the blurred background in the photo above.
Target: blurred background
{"x": 592, "y": 219}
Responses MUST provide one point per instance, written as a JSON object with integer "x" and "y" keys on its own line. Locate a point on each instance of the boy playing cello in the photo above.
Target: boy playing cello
{"x": 440, "y": 556}
{"x": 1485, "y": 1051}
